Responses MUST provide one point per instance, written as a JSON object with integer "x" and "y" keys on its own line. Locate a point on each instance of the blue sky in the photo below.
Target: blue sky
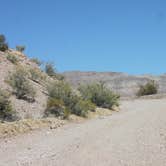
{"x": 90, "y": 35}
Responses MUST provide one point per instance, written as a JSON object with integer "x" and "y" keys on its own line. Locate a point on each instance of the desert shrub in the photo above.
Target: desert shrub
{"x": 82, "y": 107}
{"x": 55, "y": 106}
{"x": 20, "y": 48}
{"x": 12, "y": 58}
{"x": 68, "y": 101}
{"x": 21, "y": 85}
{"x": 36, "y": 75}
{"x": 99, "y": 94}
{"x": 59, "y": 90}
{"x": 6, "y": 111}
{"x": 37, "y": 61}
{"x": 149, "y": 88}
{"x": 50, "y": 69}
{"x": 59, "y": 77}
{"x": 3, "y": 44}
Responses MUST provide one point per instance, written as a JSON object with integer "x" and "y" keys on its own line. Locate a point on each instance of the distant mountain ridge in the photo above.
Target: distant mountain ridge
{"x": 124, "y": 84}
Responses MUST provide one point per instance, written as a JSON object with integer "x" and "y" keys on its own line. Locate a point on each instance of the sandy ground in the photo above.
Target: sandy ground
{"x": 135, "y": 136}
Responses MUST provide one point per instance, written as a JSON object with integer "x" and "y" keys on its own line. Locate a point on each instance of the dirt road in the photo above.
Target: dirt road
{"x": 136, "y": 136}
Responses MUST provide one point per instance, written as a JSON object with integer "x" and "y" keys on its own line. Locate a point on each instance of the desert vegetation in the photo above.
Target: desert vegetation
{"x": 99, "y": 94}
{"x": 3, "y": 43}
{"x": 51, "y": 71}
{"x": 36, "y": 75}
{"x": 149, "y": 88}
{"x": 22, "y": 87}
{"x": 20, "y": 48}
{"x": 6, "y": 110}
{"x": 12, "y": 58}
{"x": 37, "y": 61}
{"x": 64, "y": 101}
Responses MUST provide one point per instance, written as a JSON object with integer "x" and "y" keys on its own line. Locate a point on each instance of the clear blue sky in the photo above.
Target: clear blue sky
{"x": 97, "y": 35}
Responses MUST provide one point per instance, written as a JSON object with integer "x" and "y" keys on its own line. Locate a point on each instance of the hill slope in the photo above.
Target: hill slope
{"x": 23, "y": 108}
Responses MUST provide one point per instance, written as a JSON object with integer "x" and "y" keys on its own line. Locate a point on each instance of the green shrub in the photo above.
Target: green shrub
{"x": 68, "y": 102}
{"x": 37, "y": 61}
{"x": 99, "y": 94}
{"x": 82, "y": 107}
{"x": 59, "y": 77}
{"x": 50, "y": 69}
{"x": 3, "y": 44}
{"x": 21, "y": 85}
{"x": 55, "y": 107}
{"x": 12, "y": 58}
{"x": 6, "y": 111}
{"x": 20, "y": 48}
{"x": 61, "y": 91}
{"x": 36, "y": 75}
{"x": 149, "y": 88}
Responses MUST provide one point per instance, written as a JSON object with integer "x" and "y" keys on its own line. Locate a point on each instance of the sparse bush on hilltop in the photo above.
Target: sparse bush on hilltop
{"x": 66, "y": 101}
{"x": 21, "y": 85}
{"x": 99, "y": 94}
{"x": 51, "y": 71}
{"x": 12, "y": 58}
{"x": 20, "y": 48}
{"x": 6, "y": 111}
{"x": 149, "y": 88}
{"x": 3, "y": 44}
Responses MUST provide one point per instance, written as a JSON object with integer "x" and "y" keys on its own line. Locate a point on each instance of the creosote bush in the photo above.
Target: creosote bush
{"x": 20, "y": 48}
{"x": 64, "y": 101}
{"x": 99, "y": 94}
{"x": 21, "y": 85}
{"x": 149, "y": 88}
{"x": 6, "y": 111}
{"x": 3, "y": 44}
{"x": 12, "y": 58}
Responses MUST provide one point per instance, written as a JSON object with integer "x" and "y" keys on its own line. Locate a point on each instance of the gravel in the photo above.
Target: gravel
{"x": 135, "y": 136}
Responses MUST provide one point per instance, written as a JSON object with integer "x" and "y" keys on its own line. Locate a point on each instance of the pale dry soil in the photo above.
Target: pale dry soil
{"x": 135, "y": 136}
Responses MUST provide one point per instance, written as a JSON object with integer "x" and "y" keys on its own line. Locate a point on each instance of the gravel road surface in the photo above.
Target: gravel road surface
{"x": 135, "y": 136}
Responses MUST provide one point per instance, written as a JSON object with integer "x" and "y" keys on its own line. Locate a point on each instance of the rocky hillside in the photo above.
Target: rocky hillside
{"x": 123, "y": 84}
{"x": 9, "y": 61}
